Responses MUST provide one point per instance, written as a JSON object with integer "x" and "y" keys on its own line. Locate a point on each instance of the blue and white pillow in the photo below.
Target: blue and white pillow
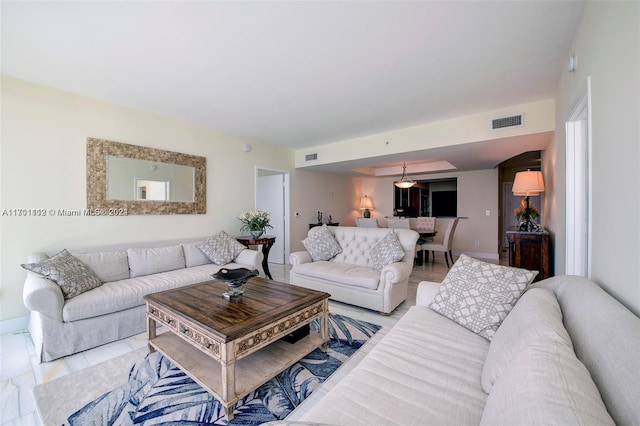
{"x": 479, "y": 295}
{"x": 321, "y": 244}
{"x": 388, "y": 250}
{"x": 73, "y": 276}
{"x": 221, "y": 248}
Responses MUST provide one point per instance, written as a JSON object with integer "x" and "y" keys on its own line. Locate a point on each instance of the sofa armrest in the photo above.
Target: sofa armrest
{"x": 396, "y": 272}
{"x": 427, "y": 290}
{"x": 250, "y": 257}
{"x": 299, "y": 257}
{"x": 43, "y": 296}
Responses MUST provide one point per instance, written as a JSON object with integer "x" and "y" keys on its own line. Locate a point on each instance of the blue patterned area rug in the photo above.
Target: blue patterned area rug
{"x": 160, "y": 393}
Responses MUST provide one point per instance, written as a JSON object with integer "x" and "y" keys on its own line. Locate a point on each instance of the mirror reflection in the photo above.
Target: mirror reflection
{"x": 142, "y": 180}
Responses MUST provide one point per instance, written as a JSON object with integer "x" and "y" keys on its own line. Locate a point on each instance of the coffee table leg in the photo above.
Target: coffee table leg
{"x": 228, "y": 412}
{"x": 228, "y": 386}
{"x": 324, "y": 330}
{"x": 151, "y": 333}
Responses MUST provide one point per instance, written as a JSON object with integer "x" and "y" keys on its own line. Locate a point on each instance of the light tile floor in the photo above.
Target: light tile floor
{"x": 20, "y": 372}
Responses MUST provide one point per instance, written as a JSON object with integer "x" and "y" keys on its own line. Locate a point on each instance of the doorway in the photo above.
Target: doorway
{"x": 578, "y": 167}
{"x": 272, "y": 195}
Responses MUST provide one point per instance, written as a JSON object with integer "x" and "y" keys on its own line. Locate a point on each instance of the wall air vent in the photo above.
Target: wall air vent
{"x": 501, "y": 123}
{"x": 310, "y": 157}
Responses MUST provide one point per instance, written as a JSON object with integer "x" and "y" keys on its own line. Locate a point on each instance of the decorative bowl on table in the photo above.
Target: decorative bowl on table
{"x": 235, "y": 280}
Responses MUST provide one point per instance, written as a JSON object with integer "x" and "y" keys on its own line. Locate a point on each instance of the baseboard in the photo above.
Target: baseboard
{"x": 479, "y": 255}
{"x": 14, "y": 325}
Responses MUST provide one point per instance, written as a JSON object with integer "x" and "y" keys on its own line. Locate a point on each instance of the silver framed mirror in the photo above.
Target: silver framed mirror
{"x": 142, "y": 180}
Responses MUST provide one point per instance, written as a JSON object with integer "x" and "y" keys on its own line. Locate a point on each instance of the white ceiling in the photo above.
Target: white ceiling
{"x": 296, "y": 73}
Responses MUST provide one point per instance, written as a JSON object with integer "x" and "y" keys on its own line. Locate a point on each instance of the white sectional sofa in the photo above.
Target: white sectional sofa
{"x": 115, "y": 309}
{"x": 568, "y": 353}
{"x": 350, "y": 276}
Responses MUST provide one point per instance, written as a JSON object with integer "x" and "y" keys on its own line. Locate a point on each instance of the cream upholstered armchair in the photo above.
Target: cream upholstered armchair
{"x": 443, "y": 240}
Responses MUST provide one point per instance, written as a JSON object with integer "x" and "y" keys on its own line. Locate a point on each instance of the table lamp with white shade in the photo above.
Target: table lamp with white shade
{"x": 527, "y": 184}
{"x": 366, "y": 205}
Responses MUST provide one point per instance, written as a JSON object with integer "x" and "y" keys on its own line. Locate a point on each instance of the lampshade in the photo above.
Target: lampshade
{"x": 366, "y": 203}
{"x": 528, "y": 183}
{"x": 404, "y": 182}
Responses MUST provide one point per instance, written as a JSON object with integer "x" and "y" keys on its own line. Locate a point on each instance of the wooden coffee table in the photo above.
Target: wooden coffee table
{"x": 231, "y": 348}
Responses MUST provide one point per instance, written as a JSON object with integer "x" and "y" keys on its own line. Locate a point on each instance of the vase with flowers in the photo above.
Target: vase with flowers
{"x": 525, "y": 217}
{"x": 255, "y": 222}
{"x": 521, "y": 211}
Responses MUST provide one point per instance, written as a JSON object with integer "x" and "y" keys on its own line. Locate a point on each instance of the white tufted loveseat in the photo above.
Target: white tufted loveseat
{"x": 350, "y": 277}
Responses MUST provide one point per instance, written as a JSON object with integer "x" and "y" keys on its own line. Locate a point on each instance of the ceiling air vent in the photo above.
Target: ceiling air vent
{"x": 501, "y": 123}
{"x": 310, "y": 157}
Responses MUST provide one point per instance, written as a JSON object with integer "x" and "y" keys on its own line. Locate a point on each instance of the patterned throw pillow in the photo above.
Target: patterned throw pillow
{"x": 479, "y": 295}
{"x": 73, "y": 277}
{"x": 321, "y": 244}
{"x": 221, "y": 248}
{"x": 388, "y": 250}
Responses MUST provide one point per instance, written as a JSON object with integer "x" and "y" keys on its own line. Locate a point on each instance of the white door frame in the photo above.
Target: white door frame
{"x": 579, "y": 186}
{"x": 287, "y": 209}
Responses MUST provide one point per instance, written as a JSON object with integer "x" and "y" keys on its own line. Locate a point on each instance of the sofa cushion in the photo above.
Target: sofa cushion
{"x": 108, "y": 266}
{"x": 479, "y": 295}
{"x": 120, "y": 295}
{"x": 426, "y": 370}
{"x": 387, "y": 250}
{"x": 193, "y": 256}
{"x": 221, "y": 248}
{"x": 536, "y": 320}
{"x": 73, "y": 276}
{"x": 545, "y": 385}
{"x": 606, "y": 338}
{"x": 321, "y": 244}
{"x": 147, "y": 261}
{"x": 342, "y": 273}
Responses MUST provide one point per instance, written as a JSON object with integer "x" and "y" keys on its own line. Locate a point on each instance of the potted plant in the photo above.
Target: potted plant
{"x": 255, "y": 222}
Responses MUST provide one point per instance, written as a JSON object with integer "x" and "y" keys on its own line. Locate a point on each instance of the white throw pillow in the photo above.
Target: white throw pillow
{"x": 193, "y": 256}
{"x": 147, "y": 261}
{"x": 73, "y": 276}
{"x": 387, "y": 250}
{"x": 479, "y": 295}
{"x": 321, "y": 244}
{"x": 536, "y": 320}
{"x": 108, "y": 266}
{"x": 221, "y": 248}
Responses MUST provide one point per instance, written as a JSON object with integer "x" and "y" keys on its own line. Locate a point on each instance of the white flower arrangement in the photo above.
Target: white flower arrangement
{"x": 255, "y": 220}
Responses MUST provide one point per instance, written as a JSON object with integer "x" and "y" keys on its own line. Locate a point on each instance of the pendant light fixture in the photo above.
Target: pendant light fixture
{"x": 404, "y": 182}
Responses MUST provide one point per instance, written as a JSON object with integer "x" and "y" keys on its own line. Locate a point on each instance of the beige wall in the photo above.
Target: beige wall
{"x": 44, "y": 135}
{"x": 333, "y": 195}
{"x": 477, "y": 192}
{"x": 607, "y": 46}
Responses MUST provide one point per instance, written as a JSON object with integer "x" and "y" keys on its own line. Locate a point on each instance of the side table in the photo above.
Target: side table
{"x": 530, "y": 250}
{"x": 266, "y": 241}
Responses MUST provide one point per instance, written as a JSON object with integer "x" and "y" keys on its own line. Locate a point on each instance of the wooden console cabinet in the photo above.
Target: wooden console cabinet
{"x": 530, "y": 250}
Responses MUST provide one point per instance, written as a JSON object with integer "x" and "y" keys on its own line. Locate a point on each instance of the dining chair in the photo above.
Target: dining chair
{"x": 425, "y": 224}
{"x": 443, "y": 240}
{"x": 365, "y": 222}
{"x": 398, "y": 223}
